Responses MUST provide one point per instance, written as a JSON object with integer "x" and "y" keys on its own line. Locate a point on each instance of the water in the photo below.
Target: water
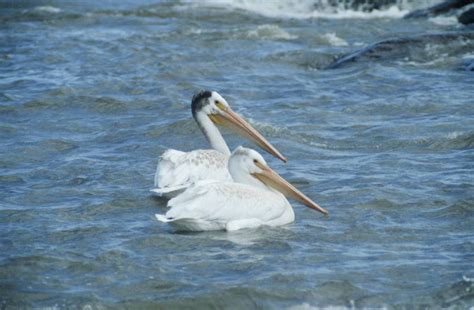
{"x": 92, "y": 92}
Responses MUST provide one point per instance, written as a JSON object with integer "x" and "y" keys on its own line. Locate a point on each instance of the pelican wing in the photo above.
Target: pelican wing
{"x": 177, "y": 170}
{"x": 212, "y": 205}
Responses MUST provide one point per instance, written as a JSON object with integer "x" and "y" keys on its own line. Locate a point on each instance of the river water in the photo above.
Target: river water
{"x": 92, "y": 92}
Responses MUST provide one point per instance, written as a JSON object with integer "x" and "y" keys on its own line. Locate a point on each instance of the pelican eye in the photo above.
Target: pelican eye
{"x": 255, "y": 161}
{"x": 220, "y": 105}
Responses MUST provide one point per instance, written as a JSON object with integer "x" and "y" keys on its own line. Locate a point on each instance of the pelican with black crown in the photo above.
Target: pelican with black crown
{"x": 177, "y": 170}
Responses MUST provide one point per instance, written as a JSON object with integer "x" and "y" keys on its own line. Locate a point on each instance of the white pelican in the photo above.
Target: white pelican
{"x": 177, "y": 170}
{"x": 255, "y": 198}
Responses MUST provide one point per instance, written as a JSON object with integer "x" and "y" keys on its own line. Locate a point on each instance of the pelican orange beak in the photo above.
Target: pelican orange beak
{"x": 228, "y": 118}
{"x": 274, "y": 180}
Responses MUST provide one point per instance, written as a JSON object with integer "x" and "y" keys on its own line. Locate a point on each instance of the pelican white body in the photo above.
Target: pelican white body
{"x": 252, "y": 200}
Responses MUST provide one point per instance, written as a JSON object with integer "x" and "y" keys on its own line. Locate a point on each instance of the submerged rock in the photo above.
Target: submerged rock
{"x": 467, "y": 17}
{"x": 410, "y": 47}
{"x": 438, "y": 9}
{"x": 468, "y": 65}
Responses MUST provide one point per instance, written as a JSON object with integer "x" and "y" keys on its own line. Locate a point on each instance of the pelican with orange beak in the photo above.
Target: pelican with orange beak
{"x": 178, "y": 170}
{"x": 255, "y": 198}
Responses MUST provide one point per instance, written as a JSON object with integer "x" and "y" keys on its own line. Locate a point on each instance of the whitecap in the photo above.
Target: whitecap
{"x": 48, "y": 9}
{"x": 302, "y": 9}
{"x": 306, "y": 306}
{"x": 444, "y": 20}
{"x": 468, "y": 56}
{"x": 334, "y": 40}
{"x": 467, "y": 279}
{"x": 454, "y": 135}
{"x": 270, "y": 32}
{"x": 193, "y": 31}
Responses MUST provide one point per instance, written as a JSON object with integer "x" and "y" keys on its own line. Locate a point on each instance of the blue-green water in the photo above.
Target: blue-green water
{"x": 91, "y": 93}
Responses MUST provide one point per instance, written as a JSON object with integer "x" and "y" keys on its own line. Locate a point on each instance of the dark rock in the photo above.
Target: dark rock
{"x": 358, "y": 5}
{"x": 468, "y": 65}
{"x": 388, "y": 48}
{"x": 439, "y": 9}
{"x": 402, "y": 47}
{"x": 467, "y": 17}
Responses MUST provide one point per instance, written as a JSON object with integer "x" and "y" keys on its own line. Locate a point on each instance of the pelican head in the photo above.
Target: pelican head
{"x": 220, "y": 113}
{"x": 246, "y": 162}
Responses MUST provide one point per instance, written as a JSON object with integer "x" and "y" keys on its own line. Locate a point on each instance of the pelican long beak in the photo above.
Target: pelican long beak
{"x": 274, "y": 180}
{"x": 235, "y": 122}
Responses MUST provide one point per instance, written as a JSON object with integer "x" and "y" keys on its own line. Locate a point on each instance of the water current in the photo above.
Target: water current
{"x": 92, "y": 92}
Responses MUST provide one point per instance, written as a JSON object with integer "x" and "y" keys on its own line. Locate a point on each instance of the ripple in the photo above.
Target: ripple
{"x": 23, "y": 13}
{"x": 11, "y": 179}
{"x": 460, "y": 209}
{"x": 107, "y": 105}
{"x": 269, "y": 32}
{"x": 47, "y": 9}
{"x": 303, "y": 58}
{"x": 459, "y": 294}
{"x": 455, "y": 140}
{"x": 57, "y": 145}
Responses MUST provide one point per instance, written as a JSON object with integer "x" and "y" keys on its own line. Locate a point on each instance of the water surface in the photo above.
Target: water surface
{"x": 92, "y": 92}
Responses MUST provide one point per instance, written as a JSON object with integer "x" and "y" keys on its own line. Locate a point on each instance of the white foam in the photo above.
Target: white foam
{"x": 102, "y": 34}
{"x": 306, "y": 306}
{"x": 444, "y": 20}
{"x": 454, "y": 135}
{"x": 48, "y": 9}
{"x": 303, "y": 9}
{"x": 420, "y": 64}
{"x": 270, "y": 32}
{"x": 334, "y": 40}
{"x": 467, "y": 279}
{"x": 194, "y": 31}
{"x": 261, "y": 32}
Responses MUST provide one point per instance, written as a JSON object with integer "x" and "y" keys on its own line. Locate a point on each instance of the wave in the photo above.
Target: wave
{"x": 269, "y": 32}
{"x": 20, "y": 12}
{"x": 332, "y": 39}
{"x": 458, "y": 295}
{"x": 303, "y": 9}
{"x": 457, "y": 140}
{"x": 459, "y": 209}
{"x": 444, "y": 20}
{"x": 48, "y": 9}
